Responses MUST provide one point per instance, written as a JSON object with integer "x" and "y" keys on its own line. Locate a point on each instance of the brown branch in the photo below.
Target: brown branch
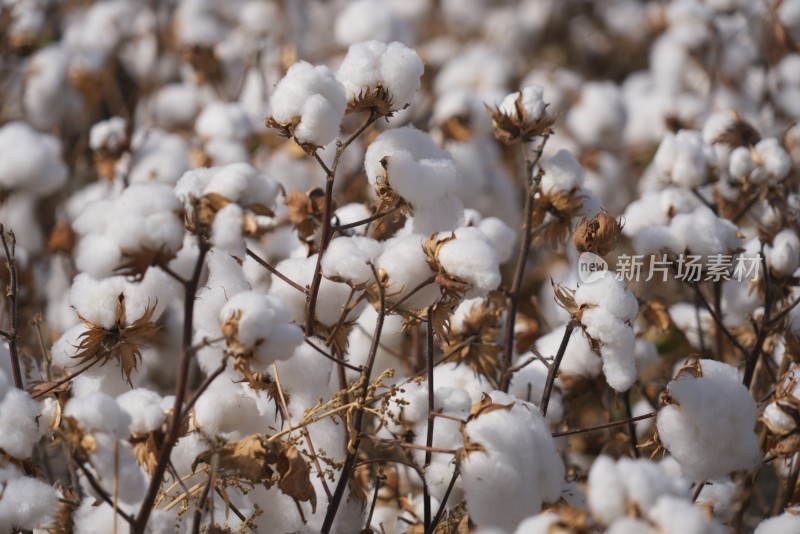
{"x": 258, "y": 259}
{"x": 531, "y": 185}
{"x": 553, "y": 371}
{"x": 604, "y": 426}
{"x": 201, "y": 505}
{"x": 64, "y": 380}
{"x": 204, "y": 386}
{"x": 174, "y": 425}
{"x": 752, "y": 358}
{"x": 421, "y": 285}
{"x": 358, "y": 418}
{"x": 102, "y": 492}
{"x": 631, "y": 425}
{"x": 429, "y": 437}
{"x": 327, "y": 213}
{"x": 333, "y": 358}
{"x": 367, "y": 220}
{"x": 9, "y": 245}
{"x": 440, "y": 512}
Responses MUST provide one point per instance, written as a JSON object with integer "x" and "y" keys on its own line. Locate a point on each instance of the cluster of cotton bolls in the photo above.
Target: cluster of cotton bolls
{"x": 399, "y": 266}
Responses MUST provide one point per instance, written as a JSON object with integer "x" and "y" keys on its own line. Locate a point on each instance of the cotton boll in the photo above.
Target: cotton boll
{"x": 562, "y": 173}
{"x": 472, "y": 258}
{"x": 775, "y": 161}
{"x": 18, "y": 419}
{"x": 501, "y": 235}
{"x": 478, "y": 67}
{"x": 176, "y": 105}
{"x": 531, "y": 100}
{"x": 109, "y": 135}
{"x": 783, "y": 257}
{"x": 99, "y": 413}
{"x": 27, "y": 504}
{"x": 518, "y": 467}
{"x": 347, "y": 258}
{"x": 684, "y": 159}
{"x": 704, "y": 233}
{"x": 610, "y": 294}
{"x": 315, "y": 97}
{"x": 30, "y": 161}
{"x": 446, "y": 215}
{"x": 617, "y": 345}
{"x": 366, "y": 20}
{"x": 709, "y": 428}
{"x": 46, "y": 94}
{"x": 406, "y": 266}
{"x": 390, "y": 348}
{"x": 144, "y": 408}
{"x": 158, "y": 156}
{"x": 671, "y": 514}
{"x": 223, "y": 119}
{"x": 350, "y": 213}
{"x": 227, "y": 409}
{"x": 789, "y": 521}
{"x": 257, "y": 325}
{"x": 598, "y": 119}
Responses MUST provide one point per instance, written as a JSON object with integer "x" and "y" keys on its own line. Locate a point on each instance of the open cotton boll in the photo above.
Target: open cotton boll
{"x": 673, "y": 514}
{"x": 479, "y": 67}
{"x": 709, "y": 426}
{"x": 656, "y": 208}
{"x": 783, "y": 257}
{"x": 444, "y": 216}
{"x": 404, "y": 262}
{"x": 789, "y": 521}
{"x": 684, "y": 159}
{"x": 313, "y": 100}
{"x": 238, "y": 182}
{"x": 226, "y": 231}
{"x": 257, "y": 324}
{"x": 99, "y": 413}
{"x": 598, "y": 118}
{"x": 227, "y": 409}
{"x": 46, "y": 94}
{"x": 144, "y": 408}
{"x": 517, "y": 468}
{"x": 30, "y": 161}
{"x": 365, "y": 20}
{"x": 412, "y": 165}
{"x": 113, "y": 460}
{"x": 775, "y": 162}
{"x": 704, "y": 233}
{"x": 19, "y": 420}
{"x": 617, "y": 346}
{"x": 615, "y": 486}
{"x": 562, "y": 173}
{"x": 472, "y": 258}
{"x": 109, "y": 135}
{"x": 351, "y": 213}
{"x": 532, "y": 102}
{"x": 347, "y": 259}
{"x": 390, "y": 348}
{"x": 158, "y": 156}
{"x": 223, "y": 119}
{"x": 393, "y": 67}
{"x": 97, "y": 300}
{"x": 28, "y": 504}
{"x": 609, "y": 293}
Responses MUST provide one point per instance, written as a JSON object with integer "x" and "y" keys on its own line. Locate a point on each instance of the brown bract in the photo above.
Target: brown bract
{"x": 599, "y": 235}
{"x": 121, "y": 342}
{"x": 477, "y": 337}
{"x": 563, "y": 207}
{"x": 374, "y": 99}
{"x": 305, "y": 211}
{"x": 518, "y": 126}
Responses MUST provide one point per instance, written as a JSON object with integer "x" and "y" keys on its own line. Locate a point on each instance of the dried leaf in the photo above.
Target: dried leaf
{"x": 251, "y": 458}
{"x": 145, "y": 449}
{"x": 295, "y": 476}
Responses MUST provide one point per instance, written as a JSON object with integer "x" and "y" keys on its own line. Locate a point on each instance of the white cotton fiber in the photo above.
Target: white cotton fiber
{"x": 518, "y": 469}
{"x": 18, "y": 419}
{"x": 314, "y": 98}
{"x": 394, "y": 67}
{"x": 709, "y": 426}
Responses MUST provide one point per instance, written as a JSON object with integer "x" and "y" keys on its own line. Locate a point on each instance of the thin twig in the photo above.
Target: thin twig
{"x": 445, "y": 498}
{"x": 258, "y": 259}
{"x": 358, "y": 419}
{"x": 327, "y": 212}
{"x": 204, "y": 386}
{"x": 378, "y": 479}
{"x": 174, "y": 425}
{"x": 631, "y": 425}
{"x": 333, "y": 358}
{"x": 201, "y": 505}
{"x": 429, "y": 437}
{"x": 752, "y": 358}
{"x": 101, "y": 492}
{"x": 553, "y": 371}
{"x": 367, "y": 220}
{"x": 421, "y": 285}
{"x": 61, "y": 382}
{"x": 531, "y": 185}
{"x": 603, "y": 426}
{"x": 9, "y": 245}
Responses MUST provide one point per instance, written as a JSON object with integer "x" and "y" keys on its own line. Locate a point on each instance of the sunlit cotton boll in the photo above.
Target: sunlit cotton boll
{"x": 709, "y": 425}
{"x": 518, "y": 468}
{"x": 314, "y": 97}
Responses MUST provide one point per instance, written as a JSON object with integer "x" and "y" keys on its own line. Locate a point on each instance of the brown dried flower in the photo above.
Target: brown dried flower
{"x": 121, "y": 342}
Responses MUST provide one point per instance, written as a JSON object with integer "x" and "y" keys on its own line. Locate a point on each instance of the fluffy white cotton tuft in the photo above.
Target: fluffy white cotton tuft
{"x": 518, "y": 467}
{"x": 708, "y": 425}
{"x": 685, "y": 159}
{"x": 348, "y": 258}
{"x": 30, "y": 161}
{"x": 471, "y": 257}
{"x": 395, "y": 68}
{"x": 144, "y": 408}
{"x": 312, "y": 98}
{"x": 18, "y": 419}
{"x": 99, "y": 413}
{"x": 532, "y": 102}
